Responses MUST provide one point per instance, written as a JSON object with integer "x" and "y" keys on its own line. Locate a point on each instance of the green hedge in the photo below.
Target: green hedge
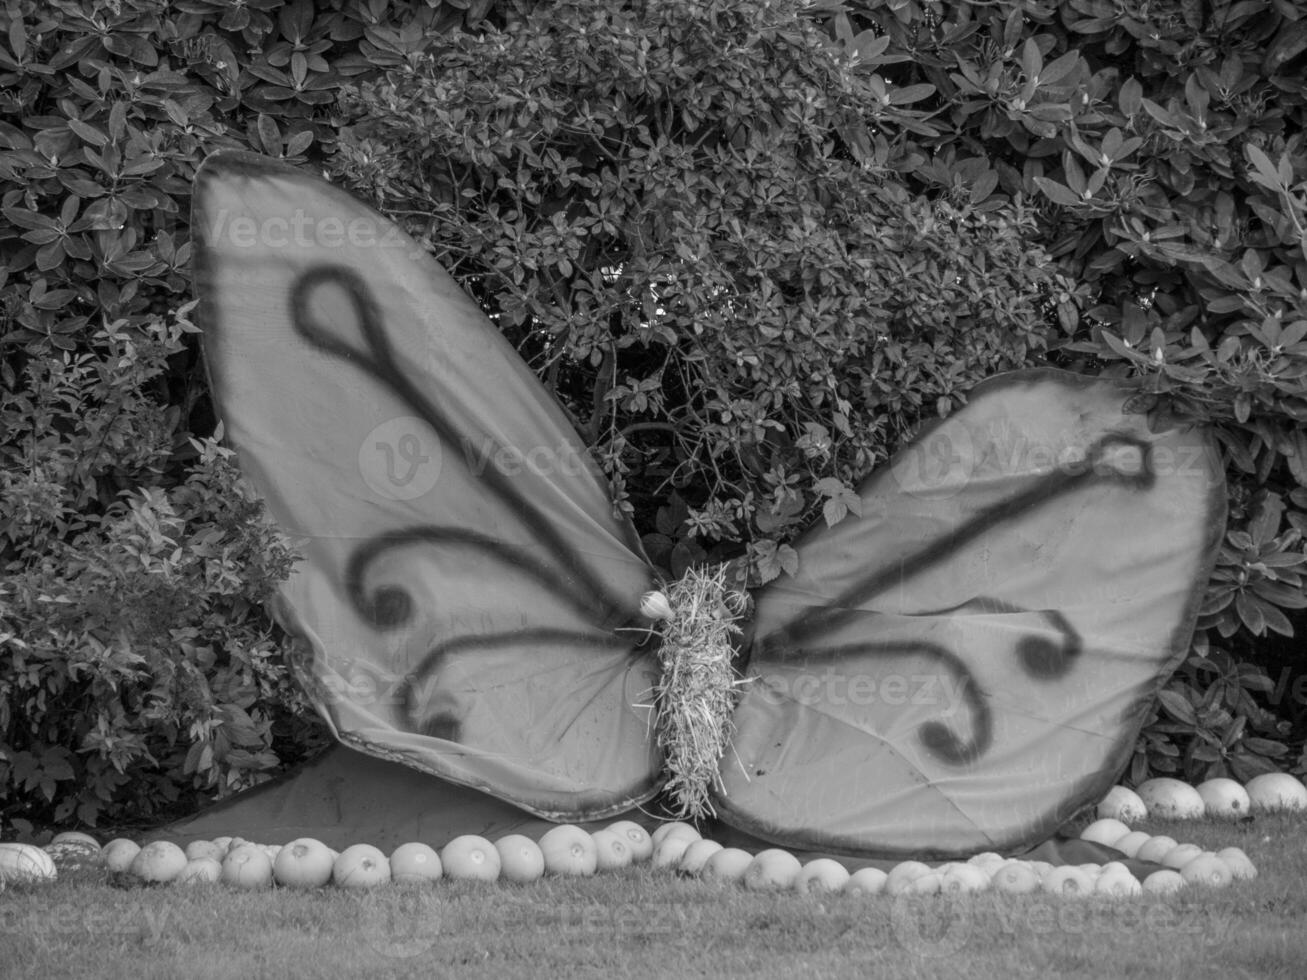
{"x": 138, "y": 671}
{"x": 832, "y": 218}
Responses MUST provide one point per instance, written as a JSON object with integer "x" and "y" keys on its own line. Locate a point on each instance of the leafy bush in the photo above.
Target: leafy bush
{"x": 751, "y": 246}
{"x": 657, "y": 204}
{"x": 1162, "y": 144}
{"x": 615, "y": 182}
{"x": 137, "y": 667}
{"x": 139, "y": 672}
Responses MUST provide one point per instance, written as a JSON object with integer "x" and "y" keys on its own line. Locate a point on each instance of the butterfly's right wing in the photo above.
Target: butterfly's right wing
{"x": 968, "y": 663}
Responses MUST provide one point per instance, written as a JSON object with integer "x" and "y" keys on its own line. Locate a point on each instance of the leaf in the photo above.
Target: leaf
{"x": 18, "y": 38}
{"x": 1246, "y": 765}
{"x": 1177, "y": 706}
{"x": 771, "y": 559}
{"x": 54, "y": 761}
{"x": 269, "y": 135}
{"x": 1266, "y": 519}
{"x": 1234, "y": 732}
{"x": 1250, "y": 613}
{"x": 1288, "y": 44}
{"x": 1031, "y": 58}
{"x": 88, "y": 132}
{"x": 1058, "y": 193}
{"x": 1276, "y": 621}
{"x": 298, "y": 143}
{"x": 1243, "y": 407}
{"x": 29, "y": 219}
{"x": 1298, "y": 460}
{"x": 833, "y": 511}
{"x": 1120, "y": 346}
{"x": 105, "y": 214}
{"x": 788, "y": 558}
{"x": 829, "y": 486}
{"x": 1131, "y": 96}
{"x": 1268, "y": 175}
{"x": 132, "y": 46}
{"x": 1060, "y": 68}
{"x": 1266, "y": 747}
{"x": 1164, "y": 116}
{"x": 49, "y": 256}
{"x": 910, "y": 93}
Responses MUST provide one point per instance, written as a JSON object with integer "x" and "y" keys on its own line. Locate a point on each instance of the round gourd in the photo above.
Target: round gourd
{"x": 1224, "y": 798}
{"x": 1122, "y": 804}
{"x": 416, "y": 863}
{"x": 822, "y": 875}
{"x": 75, "y": 837}
{"x": 728, "y": 864}
{"x": 1068, "y": 881}
{"x": 1207, "y": 870}
{"x": 303, "y": 863}
{"x": 569, "y": 851}
{"x": 159, "y": 862}
{"x": 866, "y": 881}
{"x": 1107, "y": 830}
{"x": 772, "y": 870}
{"x": 520, "y": 859}
{"x": 25, "y": 862}
{"x": 1277, "y": 791}
{"x": 697, "y": 855}
{"x": 1237, "y": 861}
{"x": 1171, "y": 799}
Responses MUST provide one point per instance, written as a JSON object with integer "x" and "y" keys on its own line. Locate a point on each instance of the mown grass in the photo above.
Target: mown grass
{"x": 642, "y": 923}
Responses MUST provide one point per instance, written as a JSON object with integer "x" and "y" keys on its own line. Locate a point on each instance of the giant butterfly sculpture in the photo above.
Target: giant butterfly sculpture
{"x": 961, "y": 668}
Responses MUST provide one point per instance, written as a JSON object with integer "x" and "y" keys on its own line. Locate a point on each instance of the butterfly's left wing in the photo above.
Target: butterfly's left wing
{"x": 465, "y": 582}
{"x": 967, "y": 664}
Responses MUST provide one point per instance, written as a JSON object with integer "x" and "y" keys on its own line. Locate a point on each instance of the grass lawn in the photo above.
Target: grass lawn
{"x": 642, "y": 923}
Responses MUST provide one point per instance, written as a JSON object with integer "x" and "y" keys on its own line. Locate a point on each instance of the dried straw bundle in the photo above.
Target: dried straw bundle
{"x": 696, "y": 695}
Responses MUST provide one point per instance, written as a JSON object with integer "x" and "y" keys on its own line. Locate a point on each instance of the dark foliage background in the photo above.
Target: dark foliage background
{"x": 751, "y": 245}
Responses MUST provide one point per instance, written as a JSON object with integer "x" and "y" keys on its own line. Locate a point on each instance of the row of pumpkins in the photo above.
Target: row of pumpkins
{"x": 1173, "y": 799}
{"x": 570, "y": 850}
